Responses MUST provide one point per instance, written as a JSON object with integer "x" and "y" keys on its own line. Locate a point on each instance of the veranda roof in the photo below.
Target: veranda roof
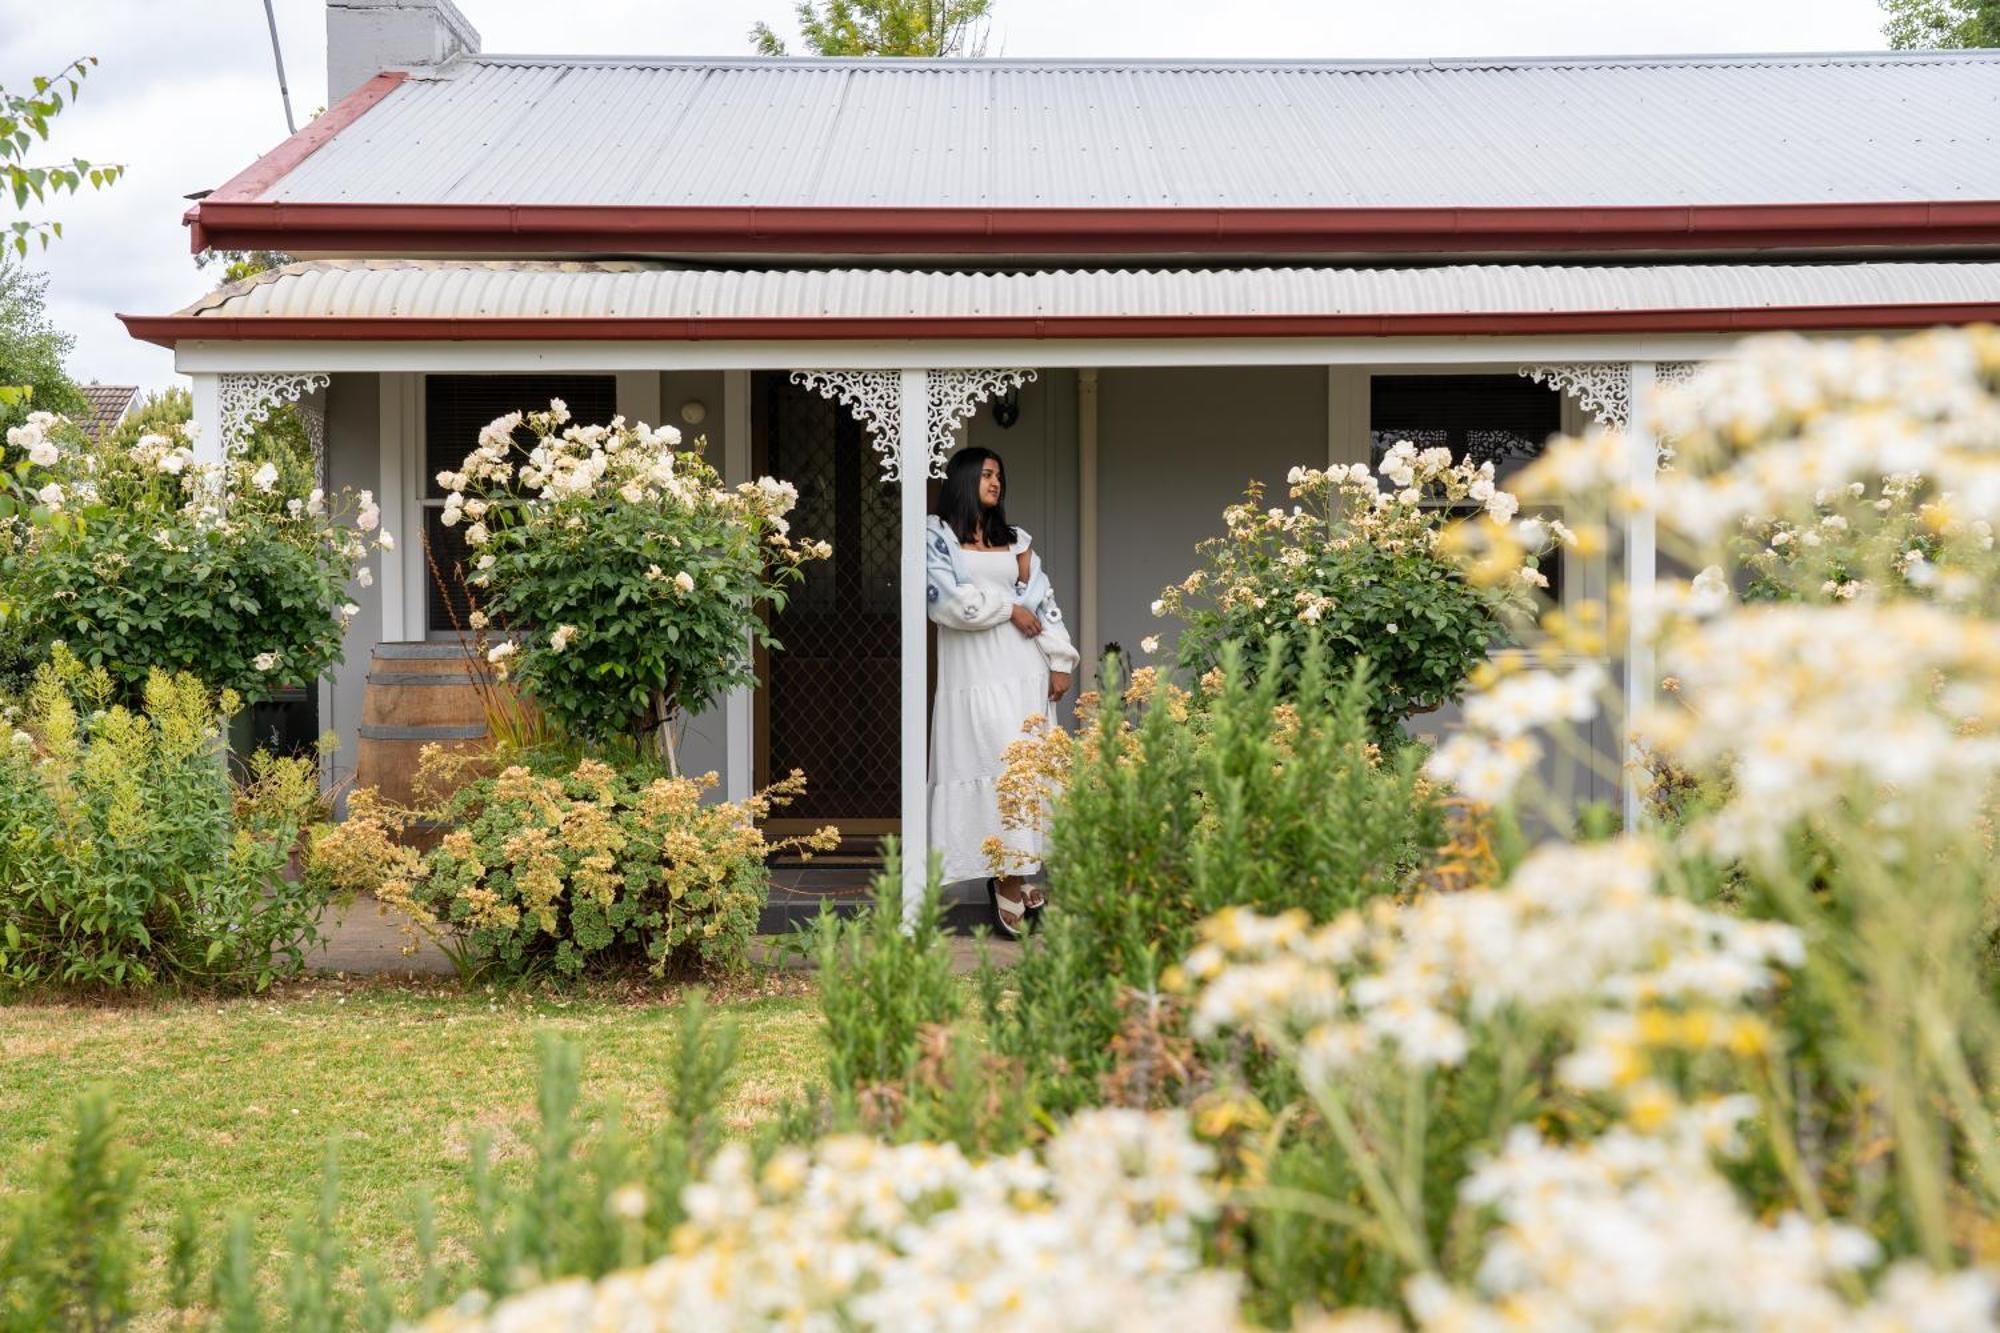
{"x": 672, "y": 155}
{"x": 463, "y": 299}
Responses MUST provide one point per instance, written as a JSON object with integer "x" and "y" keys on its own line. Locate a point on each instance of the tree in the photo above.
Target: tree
{"x": 885, "y": 28}
{"x": 1941, "y": 24}
{"x": 24, "y": 118}
{"x": 31, "y": 348}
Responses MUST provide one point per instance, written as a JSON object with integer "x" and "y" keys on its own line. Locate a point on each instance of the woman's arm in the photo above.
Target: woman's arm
{"x": 955, "y": 605}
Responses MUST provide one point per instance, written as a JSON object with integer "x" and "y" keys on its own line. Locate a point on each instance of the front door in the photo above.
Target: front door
{"x": 828, "y": 702}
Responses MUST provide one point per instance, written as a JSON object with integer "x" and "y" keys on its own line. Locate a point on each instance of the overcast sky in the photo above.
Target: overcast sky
{"x": 187, "y": 96}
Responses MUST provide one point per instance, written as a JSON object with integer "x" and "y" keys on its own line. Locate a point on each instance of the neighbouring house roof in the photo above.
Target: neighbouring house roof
{"x": 441, "y": 299}
{"x": 586, "y": 155}
{"x": 106, "y": 405}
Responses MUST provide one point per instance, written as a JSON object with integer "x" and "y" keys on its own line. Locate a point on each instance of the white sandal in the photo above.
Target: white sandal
{"x": 1004, "y": 907}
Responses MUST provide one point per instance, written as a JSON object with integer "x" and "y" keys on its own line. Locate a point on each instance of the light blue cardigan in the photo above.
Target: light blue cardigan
{"x": 956, "y": 602}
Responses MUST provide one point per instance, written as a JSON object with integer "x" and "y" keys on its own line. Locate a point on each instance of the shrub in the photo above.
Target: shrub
{"x": 1264, "y": 790}
{"x": 1365, "y": 569}
{"x": 66, "y": 1258}
{"x": 569, "y": 870}
{"x": 881, "y": 983}
{"x": 141, "y": 558}
{"x": 636, "y": 581}
{"x": 128, "y": 859}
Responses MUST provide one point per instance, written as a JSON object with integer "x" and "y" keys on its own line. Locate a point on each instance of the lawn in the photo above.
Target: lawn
{"x": 232, "y": 1103}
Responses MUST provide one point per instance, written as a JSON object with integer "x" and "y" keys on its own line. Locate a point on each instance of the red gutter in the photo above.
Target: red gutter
{"x": 166, "y": 330}
{"x": 246, "y": 185}
{"x": 234, "y": 222}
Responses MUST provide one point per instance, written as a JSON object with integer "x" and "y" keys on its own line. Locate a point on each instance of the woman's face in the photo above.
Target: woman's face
{"x": 990, "y": 485}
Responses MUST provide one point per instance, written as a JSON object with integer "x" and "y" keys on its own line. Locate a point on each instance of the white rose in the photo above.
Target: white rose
{"x": 1150, "y": 644}
{"x": 387, "y": 541}
{"x": 51, "y": 495}
{"x": 264, "y": 661}
{"x": 365, "y": 577}
{"x": 1159, "y": 607}
{"x": 265, "y": 478}
{"x": 560, "y": 639}
{"x": 684, "y": 581}
{"x": 476, "y": 535}
{"x": 477, "y": 620}
{"x": 499, "y": 652}
{"x": 484, "y": 562}
{"x": 42, "y": 453}
{"x": 450, "y": 517}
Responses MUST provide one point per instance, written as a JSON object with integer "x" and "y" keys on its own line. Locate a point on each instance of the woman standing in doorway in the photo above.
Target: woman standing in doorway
{"x": 1003, "y": 656}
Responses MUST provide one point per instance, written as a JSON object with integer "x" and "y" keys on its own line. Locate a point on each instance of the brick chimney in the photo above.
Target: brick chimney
{"x": 365, "y": 37}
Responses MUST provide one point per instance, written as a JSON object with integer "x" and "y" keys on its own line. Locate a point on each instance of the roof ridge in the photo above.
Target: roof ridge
{"x": 1442, "y": 64}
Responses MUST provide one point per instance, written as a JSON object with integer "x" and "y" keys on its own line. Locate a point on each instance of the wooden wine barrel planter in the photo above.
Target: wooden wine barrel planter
{"x": 418, "y": 694}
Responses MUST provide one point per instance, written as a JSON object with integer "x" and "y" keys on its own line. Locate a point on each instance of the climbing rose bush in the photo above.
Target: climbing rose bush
{"x": 634, "y": 581}
{"x": 1359, "y": 558}
{"x": 138, "y": 557}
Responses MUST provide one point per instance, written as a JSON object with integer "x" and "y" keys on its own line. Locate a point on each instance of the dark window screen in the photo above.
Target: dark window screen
{"x": 1504, "y": 419}
{"x": 456, "y": 408}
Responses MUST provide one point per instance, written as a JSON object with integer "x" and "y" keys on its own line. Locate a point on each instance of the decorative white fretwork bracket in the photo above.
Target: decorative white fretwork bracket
{"x": 246, "y": 401}
{"x": 874, "y": 397}
{"x": 1604, "y": 388}
{"x": 955, "y": 398}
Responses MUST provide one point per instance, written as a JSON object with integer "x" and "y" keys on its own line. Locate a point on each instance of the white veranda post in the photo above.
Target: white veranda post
{"x": 913, "y": 426}
{"x": 1618, "y": 394}
{"x": 913, "y": 418}
{"x": 1642, "y": 457}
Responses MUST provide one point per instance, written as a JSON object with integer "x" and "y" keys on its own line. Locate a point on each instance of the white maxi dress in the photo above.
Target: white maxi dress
{"x": 990, "y": 681}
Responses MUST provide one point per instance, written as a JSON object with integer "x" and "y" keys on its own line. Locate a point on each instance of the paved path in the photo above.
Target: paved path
{"x": 366, "y": 937}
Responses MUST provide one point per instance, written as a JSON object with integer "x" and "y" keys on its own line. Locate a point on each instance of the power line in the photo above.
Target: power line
{"x": 279, "y": 56}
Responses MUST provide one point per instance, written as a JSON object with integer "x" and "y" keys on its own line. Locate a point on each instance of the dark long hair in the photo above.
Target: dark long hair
{"x": 958, "y": 500}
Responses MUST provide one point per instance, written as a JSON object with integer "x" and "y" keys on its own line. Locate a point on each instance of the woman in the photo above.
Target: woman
{"x": 1003, "y": 656}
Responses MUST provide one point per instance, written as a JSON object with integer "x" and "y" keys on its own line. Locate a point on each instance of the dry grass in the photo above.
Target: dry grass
{"x": 233, "y": 1103}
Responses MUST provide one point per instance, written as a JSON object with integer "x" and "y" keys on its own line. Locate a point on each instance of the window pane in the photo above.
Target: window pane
{"x": 456, "y": 407}
{"x": 1504, "y": 419}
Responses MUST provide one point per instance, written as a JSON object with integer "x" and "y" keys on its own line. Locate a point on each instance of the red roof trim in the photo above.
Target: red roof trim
{"x": 166, "y": 330}
{"x": 235, "y": 223}
{"x": 246, "y": 185}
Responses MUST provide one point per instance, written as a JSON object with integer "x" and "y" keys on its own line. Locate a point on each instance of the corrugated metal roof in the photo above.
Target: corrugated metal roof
{"x": 451, "y": 289}
{"x": 1139, "y": 134}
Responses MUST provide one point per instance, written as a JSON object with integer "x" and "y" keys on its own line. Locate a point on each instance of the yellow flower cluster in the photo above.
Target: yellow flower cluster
{"x": 588, "y": 859}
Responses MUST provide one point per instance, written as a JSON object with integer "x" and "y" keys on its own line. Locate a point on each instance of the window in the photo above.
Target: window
{"x": 456, "y": 407}
{"x": 1502, "y": 419}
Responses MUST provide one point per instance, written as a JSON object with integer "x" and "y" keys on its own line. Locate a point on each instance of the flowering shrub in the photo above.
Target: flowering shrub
{"x": 138, "y": 557}
{"x": 1363, "y": 567}
{"x": 1103, "y": 1232}
{"x": 635, "y": 580}
{"x": 1827, "y": 723}
{"x": 1167, "y": 806}
{"x": 567, "y": 870}
{"x": 126, "y": 857}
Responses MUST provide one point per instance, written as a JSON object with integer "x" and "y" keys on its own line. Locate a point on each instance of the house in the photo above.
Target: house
{"x": 106, "y": 405}
{"x": 1173, "y": 276}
